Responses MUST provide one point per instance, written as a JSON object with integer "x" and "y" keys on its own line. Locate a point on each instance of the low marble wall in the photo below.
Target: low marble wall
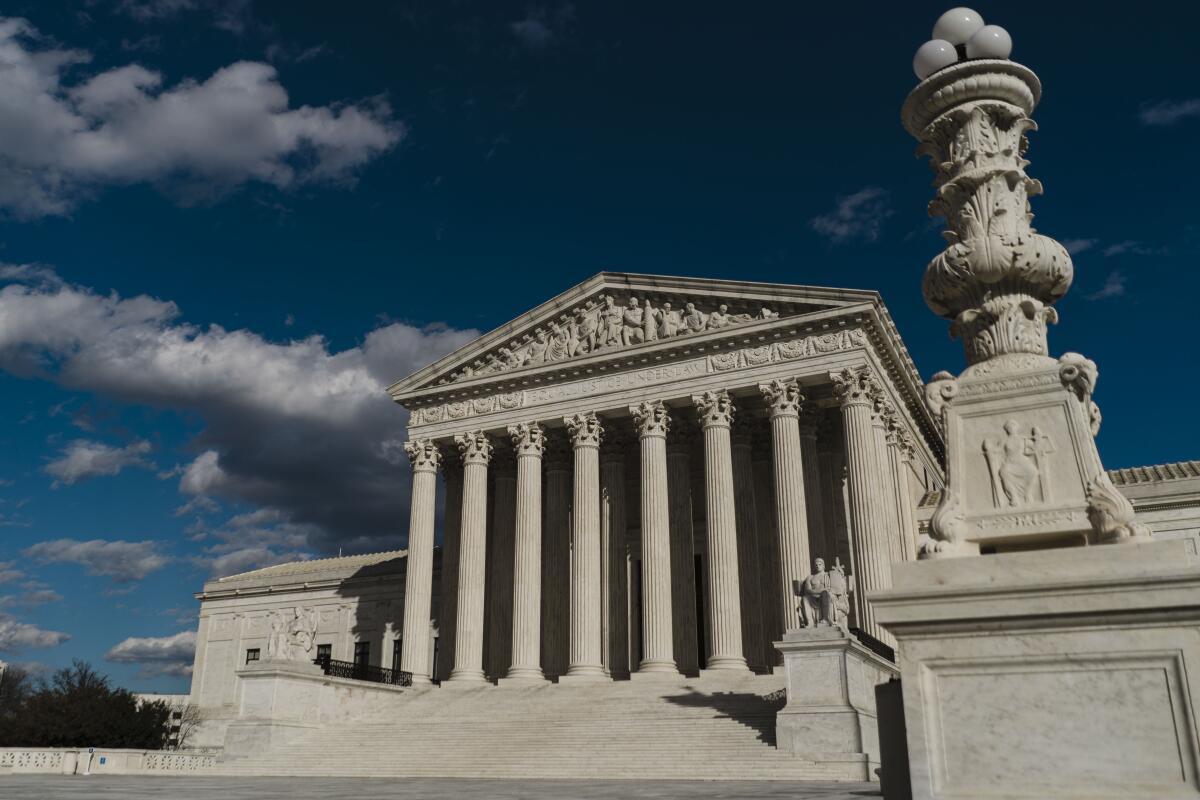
{"x": 103, "y": 761}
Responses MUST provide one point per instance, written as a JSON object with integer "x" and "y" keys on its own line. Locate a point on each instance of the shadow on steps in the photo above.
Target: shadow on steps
{"x": 754, "y": 711}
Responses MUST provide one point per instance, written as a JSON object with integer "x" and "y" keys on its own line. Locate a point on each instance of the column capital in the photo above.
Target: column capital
{"x": 528, "y": 439}
{"x": 424, "y": 455}
{"x": 585, "y": 429}
{"x": 652, "y": 418}
{"x": 714, "y": 408}
{"x": 475, "y": 447}
{"x": 855, "y": 386}
{"x": 783, "y": 397}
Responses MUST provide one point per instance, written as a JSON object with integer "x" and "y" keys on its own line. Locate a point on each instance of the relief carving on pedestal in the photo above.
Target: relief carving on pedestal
{"x": 1017, "y": 465}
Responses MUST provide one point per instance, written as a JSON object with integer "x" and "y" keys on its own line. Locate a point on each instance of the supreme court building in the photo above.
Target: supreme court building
{"x": 636, "y": 470}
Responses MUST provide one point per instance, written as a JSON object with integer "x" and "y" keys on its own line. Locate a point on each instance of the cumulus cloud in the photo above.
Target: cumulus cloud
{"x": 64, "y": 137}
{"x": 161, "y": 655}
{"x": 120, "y": 560}
{"x": 540, "y": 28}
{"x": 1114, "y": 286}
{"x": 294, "y": 428}
{"x": 16, "y": 636}
{"x": 1167, "y": 112}
{"x": 855, "y": 217}
{"x": 1077, "y": 246}
{"x": 83, "y": 458}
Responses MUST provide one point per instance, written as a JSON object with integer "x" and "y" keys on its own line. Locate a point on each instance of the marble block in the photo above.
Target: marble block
{"x": 1053, "y": 673}
{"x": 830, "y": 711}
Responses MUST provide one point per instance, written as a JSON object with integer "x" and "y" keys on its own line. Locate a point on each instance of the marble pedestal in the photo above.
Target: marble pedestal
{"x": 830, "y": 711}
{"x": 1053, "y": 673}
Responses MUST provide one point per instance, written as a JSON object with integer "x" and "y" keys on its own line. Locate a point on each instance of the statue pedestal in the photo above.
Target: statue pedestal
{"x": 1055, "y": 673}
{"x": 830, "y": 711}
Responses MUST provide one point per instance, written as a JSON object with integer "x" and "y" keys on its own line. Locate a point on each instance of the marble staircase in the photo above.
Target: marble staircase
{"x": 710, "y": 728}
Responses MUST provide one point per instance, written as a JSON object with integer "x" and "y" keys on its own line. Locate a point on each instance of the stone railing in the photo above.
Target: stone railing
{"x": 109, "y": 761}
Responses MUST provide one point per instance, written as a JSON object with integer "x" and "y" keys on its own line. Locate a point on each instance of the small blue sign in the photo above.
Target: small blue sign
{"x": 103, "y": 759}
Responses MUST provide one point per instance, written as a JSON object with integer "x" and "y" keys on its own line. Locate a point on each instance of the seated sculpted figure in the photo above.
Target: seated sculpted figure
{"x": 824, "y": 596}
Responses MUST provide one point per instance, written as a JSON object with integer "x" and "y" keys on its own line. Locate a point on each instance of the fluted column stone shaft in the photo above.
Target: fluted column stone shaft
{"x": 857, "y": 389}
{"x": 584, "y": 650}
{"x": 528, "y": 443}
{"x": 783, "y": 404}
{"x": 715, "y": 411}
{"x": 476, "y": 451}
{"x": 683, "y": 559}
{"x": 750, "y": 583}
{"x": 894, "y": 549}
{"x": 556, "y": 558}
{"x": 418, "y": 576}
{"x": 653, "y": 420}
{"x": 614, "y": 575}
{"x": 451, "y": 529}
{"x": 899, "y": 449}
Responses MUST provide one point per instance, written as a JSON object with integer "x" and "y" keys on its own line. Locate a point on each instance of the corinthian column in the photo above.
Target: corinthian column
{"x": 418, "y": 576}
{"x": 715, "y": 411}
{"x": 476, "y": 451}
{"x": 528, "y": 440}
{"x": 584, "y": 650}
{"x": 556, "y": 558}
{"x": 451, "y": 528}
{"x": 749, "y": 578}
{"x": 683, "y": 557}
{"x": 614, "y": 575}
{"x": 653, "y": 420}
{"x": 899, "y": 446}
{"x": 783, "y": 400}
{"x": 857, "y": 390}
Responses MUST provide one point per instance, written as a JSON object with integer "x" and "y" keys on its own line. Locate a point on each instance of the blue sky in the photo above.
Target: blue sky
{"x": 225, "y": 226}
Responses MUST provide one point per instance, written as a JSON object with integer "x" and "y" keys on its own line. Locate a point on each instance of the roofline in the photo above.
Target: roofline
{"x": 563, "y": 300}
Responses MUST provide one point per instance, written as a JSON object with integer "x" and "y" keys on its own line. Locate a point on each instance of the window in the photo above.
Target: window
{"x": 396, "y": 649}
{"x": 362, "y": 654}
{"x": 252, "y": 654}
{"x": 324, "y": 652}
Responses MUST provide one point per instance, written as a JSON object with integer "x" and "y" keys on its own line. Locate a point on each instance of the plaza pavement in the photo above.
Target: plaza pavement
{"x": 136, "y": 787}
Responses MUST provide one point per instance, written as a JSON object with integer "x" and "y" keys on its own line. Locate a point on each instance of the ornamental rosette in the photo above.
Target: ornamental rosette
{"x": 997, "y": 277}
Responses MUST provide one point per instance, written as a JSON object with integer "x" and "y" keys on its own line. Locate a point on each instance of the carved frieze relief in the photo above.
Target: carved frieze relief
{"x": 726, "y": 361}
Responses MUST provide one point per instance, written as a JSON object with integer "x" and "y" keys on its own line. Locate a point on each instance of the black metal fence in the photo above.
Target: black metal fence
{"x": 364, "y": 672}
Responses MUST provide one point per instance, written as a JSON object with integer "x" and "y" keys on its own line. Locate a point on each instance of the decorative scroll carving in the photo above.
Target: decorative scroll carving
{"x": 783, "y": 397}
{"x": 606, "y": 325}
{"x": 714, "y": 408}
{"x": 1017, "y": 464}
{"x": 997, "y": 277}
{"x": 475, "y": 447}
{"x": 528, "y": 438}
{"x": 1110, "y": 512}
{"x": 585, "y": 429}
{"x": 424, "y": 455}
{"x": 652, "y": 418}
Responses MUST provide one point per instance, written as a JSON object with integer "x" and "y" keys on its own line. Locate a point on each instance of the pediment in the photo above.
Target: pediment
{"x": 618, "y": 312}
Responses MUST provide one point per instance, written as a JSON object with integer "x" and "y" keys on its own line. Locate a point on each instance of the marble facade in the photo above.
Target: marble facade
{"x": 603, "y": 451}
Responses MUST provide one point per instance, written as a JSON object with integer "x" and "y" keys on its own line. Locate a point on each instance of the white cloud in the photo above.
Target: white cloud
{"x": 161, "y": 655}
{"x": 1132, "y": 247}
{"x": 120, "y": 560}
{"x": 1114, "y": 286}
{"x": 855, "y": 217}
{"x": 292, "y": 427}
{"x": 1167, "y": 112}
{"x": 197, "y": 139}
{"x": 84, "y": 458}
{"x": 9, "y": 572}
{"x": 1077, "y": 246}
{"x": 15, "y": 636}
{"x": 540, "y": 27}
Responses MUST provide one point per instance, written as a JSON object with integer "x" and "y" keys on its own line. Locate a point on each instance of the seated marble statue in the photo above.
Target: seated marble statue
{"x": 824, "y": 596}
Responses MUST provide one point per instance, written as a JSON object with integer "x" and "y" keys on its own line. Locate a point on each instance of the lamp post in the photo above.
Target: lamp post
{"x": 1022, "y": 467}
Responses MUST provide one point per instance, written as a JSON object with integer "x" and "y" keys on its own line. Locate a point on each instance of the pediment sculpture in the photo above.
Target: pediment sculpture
{"x": 606, "y": 324}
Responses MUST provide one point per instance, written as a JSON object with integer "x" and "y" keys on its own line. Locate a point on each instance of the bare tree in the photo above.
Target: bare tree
{"x": 190, "y": 717}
